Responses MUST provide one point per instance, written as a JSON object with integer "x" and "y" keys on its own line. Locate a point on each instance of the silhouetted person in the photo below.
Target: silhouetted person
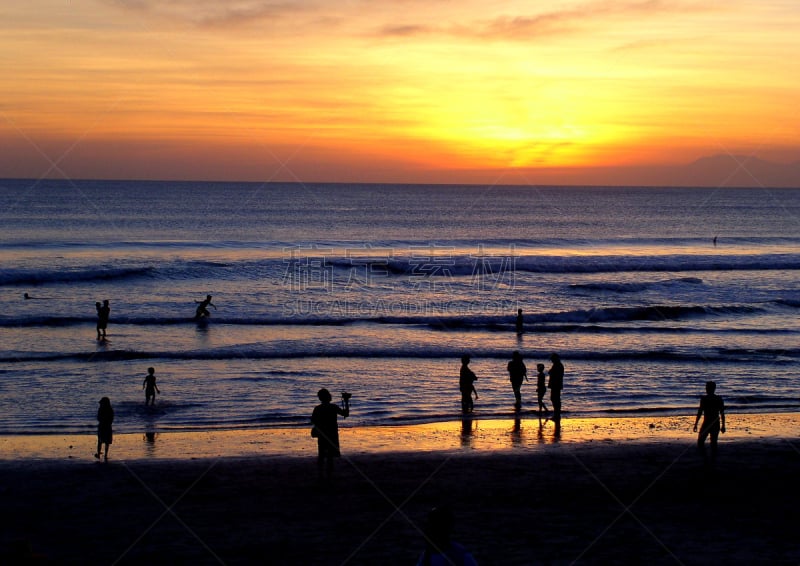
{"x": 520, "y": 322}
{"x": 202, "y": 308}
{"x": 541, "y": 388}
{"x": 105, "y": 416}
{"x": 28, "y": 297}
{"x": 103, "y": 314}
{"x": 466, "y": 384}
{"x": 556, "y": 384}
{"x": 440, "y": 550}
{"x": 326, "y": 424}
{"x": 516, "y": 373}
{"x": 150, "y": 387}
{"x": 712, "y": 409}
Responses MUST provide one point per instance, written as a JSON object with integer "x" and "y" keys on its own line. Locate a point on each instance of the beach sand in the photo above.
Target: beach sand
{"x": 603, "y": 491}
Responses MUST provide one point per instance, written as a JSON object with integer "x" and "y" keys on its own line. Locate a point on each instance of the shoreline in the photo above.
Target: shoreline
{"x": 465, "y": 435}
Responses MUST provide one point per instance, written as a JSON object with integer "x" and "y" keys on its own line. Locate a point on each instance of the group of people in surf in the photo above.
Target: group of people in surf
{"x": 517, "y": 374}
{"x": 104, "y": 313}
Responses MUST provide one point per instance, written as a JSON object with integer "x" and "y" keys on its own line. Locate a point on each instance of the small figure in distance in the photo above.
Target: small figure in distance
{"x": 202, "y": 308}
{"x": 712, "y": 409}
{"x": 150, "y": 387}
{"x": 326, "y": 424}
{"x": 466, "y": 383}
{"x": 105, "y": 416}
{"x": 440, "y": 549}
{"x": 103, "y": 314}
{"x": 520, "y": 322}
{"x": 541, "y": 388}
{"x": 556, "y": 384}
{"x": 516, "y": 373}
{"x": 28, "y": 297}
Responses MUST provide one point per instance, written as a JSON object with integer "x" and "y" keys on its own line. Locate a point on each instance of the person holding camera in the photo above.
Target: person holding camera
{"x": 326, "y": 430}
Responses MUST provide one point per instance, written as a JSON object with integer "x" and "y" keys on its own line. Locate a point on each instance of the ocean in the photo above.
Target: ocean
{"x": 378, "y": 290}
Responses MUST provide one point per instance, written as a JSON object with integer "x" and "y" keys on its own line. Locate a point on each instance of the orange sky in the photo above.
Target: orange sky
{"x": 404, "y": 90}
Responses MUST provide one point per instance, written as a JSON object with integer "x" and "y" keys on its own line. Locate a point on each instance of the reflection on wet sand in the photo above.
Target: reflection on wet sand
{"x": 519, "y": 433}
{"x": 150, "y": 443}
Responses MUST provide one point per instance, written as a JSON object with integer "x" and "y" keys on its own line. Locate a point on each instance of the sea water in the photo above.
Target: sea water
{"x": 378, "y": 290}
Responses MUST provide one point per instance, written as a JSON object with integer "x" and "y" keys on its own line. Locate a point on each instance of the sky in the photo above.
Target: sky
{"x": 584, "y": 91}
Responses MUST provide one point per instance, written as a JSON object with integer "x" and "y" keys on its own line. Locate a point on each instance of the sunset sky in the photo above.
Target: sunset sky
{"x": 394, "y": 91}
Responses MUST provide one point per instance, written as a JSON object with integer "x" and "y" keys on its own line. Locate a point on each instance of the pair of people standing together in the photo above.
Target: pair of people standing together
{"x": 518, "y": 373}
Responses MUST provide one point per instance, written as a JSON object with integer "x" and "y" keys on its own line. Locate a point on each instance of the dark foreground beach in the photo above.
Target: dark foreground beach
{"x": 604, "y": 491}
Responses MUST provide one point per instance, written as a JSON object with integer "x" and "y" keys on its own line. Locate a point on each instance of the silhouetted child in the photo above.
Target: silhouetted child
{"x": 202, "y": 308}
{"x": 326, "y": 428}
{"x": 466, "y": 384}
{"x": 440, "y": 550}
{"x": 516, "y": 373}
{"x": 712, "y": 409}
{"x": 541, "y": 387}
{"x": 150, "y": 387}
{"x": 105, "y": 416}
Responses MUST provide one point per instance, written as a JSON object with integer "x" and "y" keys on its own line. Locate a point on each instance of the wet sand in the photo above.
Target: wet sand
{"x": 603, "y": 491}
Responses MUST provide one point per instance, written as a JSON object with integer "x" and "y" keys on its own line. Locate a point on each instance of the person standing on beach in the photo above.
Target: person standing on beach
{"x": 541, "y": 388}
{"x": 202, "y": 308}
{"x": 466, "y": 383}
{"x": 326, "y": 427}
{"x": 712, "y": 409}
{"x": 556, "y": 384}
{"x": 103, "y": 314}
{"x": 150, "y": 387}
{"x": 516, "y": 373}
{"x": 105, "y": 416}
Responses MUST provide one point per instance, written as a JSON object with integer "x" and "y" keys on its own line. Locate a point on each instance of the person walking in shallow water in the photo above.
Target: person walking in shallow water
{"x": 325, "y": 420}
{"x": 712, "y": 409}
{"x": 466, "y": 384}
{"x": 202, "y": 308}
{"x": 556, "y": 384}
{"x": 520, "y": 324}
{"x": 516, "y": 373}
{"x": 105, "y": 416}
{"x": 150, "y": 387}
{"x": 103, "y": 314}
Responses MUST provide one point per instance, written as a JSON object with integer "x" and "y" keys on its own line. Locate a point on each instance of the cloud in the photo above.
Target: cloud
{"x": 526, "y": 27}
{"x": 406, "y": 30}
{"x": 213, "y": 13}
